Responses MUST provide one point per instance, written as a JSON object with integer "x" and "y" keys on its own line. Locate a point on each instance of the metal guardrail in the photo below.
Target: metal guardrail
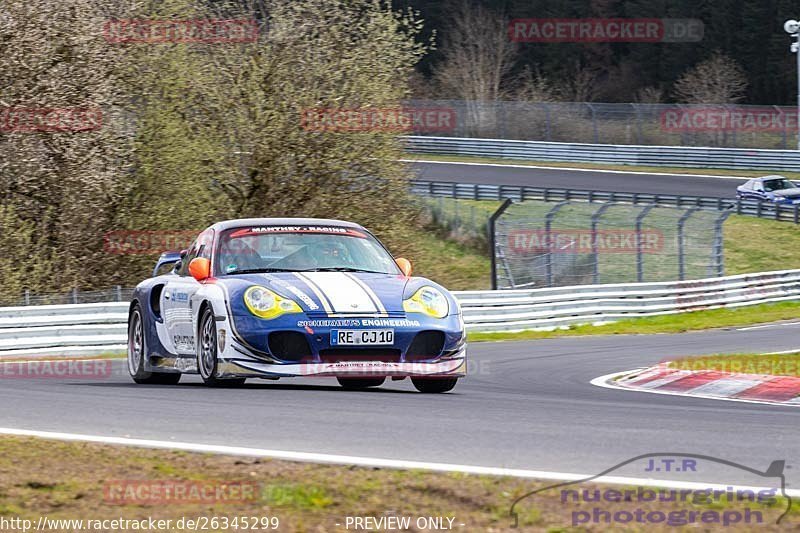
{"x": 672, "y": 156}
{"x": 474, "y": 191}
{"x": 510, "y": 310}
{"x": 75, "y": 329}
{"x": 74, "y": 296}
{"x": 84, "y": 329}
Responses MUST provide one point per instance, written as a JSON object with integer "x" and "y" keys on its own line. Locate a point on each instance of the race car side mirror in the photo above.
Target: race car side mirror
{"x": 200, "y": 268}
{"x": 405, "y": 265}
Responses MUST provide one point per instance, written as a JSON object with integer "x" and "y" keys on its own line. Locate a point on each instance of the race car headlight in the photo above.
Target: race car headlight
{"x": 429, "y": 301}
{"x": 264, "y": 303}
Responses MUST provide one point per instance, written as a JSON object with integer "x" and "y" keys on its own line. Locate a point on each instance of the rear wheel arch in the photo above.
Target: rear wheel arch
{"x": 138, "y": 353}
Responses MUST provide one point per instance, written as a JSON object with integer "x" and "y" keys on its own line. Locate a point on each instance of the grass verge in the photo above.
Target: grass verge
{"x": 62, "y": 480}
{"x": 455, "y": 265}
{"x": 599, "y": 166}
{"x": 759, "y": 245}
{"x": 677, "y": 323}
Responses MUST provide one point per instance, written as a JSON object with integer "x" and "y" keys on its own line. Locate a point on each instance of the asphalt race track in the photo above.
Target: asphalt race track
{"x": 672, "y": 184}
{"x": 526, "y": 405}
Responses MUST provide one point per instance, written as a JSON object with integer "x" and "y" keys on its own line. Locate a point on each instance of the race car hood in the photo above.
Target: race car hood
{"x": 788, "y": 193}
{"x": 326, "y": 293}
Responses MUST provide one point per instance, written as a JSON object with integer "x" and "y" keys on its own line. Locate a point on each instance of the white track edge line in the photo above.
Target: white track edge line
{"x": 605, "y": 382}
{"x": 308, "y": 457}
{"x": 764, "y": 326}
{"x": 575, "y": 169}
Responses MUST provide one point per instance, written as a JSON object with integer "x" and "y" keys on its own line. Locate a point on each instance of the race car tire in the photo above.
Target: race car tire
{"x": 207, "y": 353}
{"x": 137, "y": 354}
{"x": 434, "y": 385}
{"x": 360, "y": 383}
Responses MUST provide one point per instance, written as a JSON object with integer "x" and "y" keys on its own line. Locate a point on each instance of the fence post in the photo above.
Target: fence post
{"x": 119, "y": 293}
{"x": 719, "y": 255}
{"x": 472, "y": 218}
{"x": 594, "y": 124}
{"x": 681, "y": 246}
{"x": 547, "y": 121}
{"x": 493, "y": 239}
{"x": 639, "y": 135}
{"x": 783, "y": 131}
{"x": 27, "y": 297}
{"x": 595, "y": 256}
{"x": 75, "y": 295}
{"x": 639, "y": 253}
{"x": 548, "y": 221}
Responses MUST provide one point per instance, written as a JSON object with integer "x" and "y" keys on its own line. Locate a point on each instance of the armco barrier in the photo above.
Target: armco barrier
{"x": 510, "y": 310}
{"x": 77, "y": 329}
{"x": 94, "y": 328}
{"x": 671, "y": 156}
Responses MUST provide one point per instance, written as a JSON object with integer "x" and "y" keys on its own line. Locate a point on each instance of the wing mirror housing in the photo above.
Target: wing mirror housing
{"x": 404, "y": 265}
{"x": 200, "y": 268}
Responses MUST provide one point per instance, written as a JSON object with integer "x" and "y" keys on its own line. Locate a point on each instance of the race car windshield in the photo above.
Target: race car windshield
{"x": 777, "y": 184}
{"x": 301, "y": 249}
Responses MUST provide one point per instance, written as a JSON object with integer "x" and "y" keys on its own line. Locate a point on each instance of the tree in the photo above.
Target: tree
{"x": 477, "y": 58}
{"x": 717, "y": 80}
{"x": 60, "y": 190}
{"x": 194, "y": 132}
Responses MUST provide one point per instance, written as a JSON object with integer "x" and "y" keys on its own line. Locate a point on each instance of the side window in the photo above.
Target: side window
{"x": 191, "y": 254}
{"x": 201, "y": 247}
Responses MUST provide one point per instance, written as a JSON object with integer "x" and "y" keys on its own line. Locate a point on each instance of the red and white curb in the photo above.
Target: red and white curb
{"x": 709, "y": 384}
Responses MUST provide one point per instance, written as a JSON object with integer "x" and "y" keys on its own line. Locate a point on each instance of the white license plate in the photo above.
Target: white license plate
{"x": 360, "y": 337}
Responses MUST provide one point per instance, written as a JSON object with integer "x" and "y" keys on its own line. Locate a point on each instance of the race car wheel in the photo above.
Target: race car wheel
{"x": 207, "y": 353}
{"x": 434, "y": 385}
{"x": 360, "y": 383}
{"x": 137, "y": 354}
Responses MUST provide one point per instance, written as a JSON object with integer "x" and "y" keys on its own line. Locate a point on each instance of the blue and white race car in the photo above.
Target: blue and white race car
{"x": 770, "y": 189}
{"x": 272, "y": 298}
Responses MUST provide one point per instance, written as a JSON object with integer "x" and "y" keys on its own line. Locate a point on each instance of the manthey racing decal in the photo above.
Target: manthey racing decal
{"x": 259, "y": 230}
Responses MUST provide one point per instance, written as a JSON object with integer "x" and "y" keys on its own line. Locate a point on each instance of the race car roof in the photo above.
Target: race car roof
{"x": 237, "y": 223}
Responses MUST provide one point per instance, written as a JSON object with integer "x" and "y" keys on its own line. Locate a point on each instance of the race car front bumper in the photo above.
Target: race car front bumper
{"x": 449, "y": 367}
{"x": 245, "y": 352}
